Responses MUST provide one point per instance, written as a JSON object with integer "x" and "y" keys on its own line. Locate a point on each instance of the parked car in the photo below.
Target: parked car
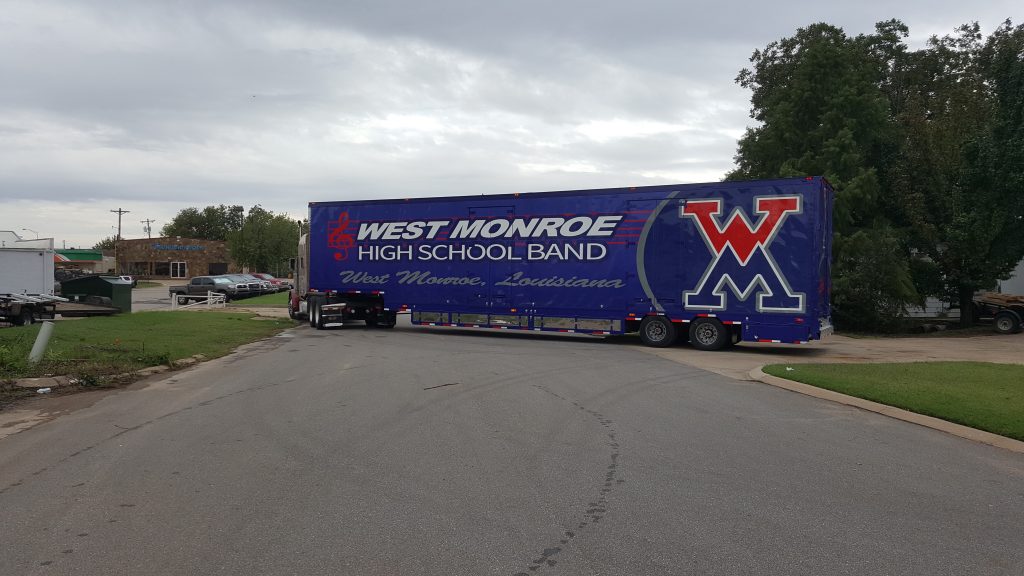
{"x": 132, "y": 279}
{"x": 200, "y": 285}
{"x": 255, "y": 284}
{"x": 250, "y": 286}
{"x": 264, "y": 286}
{"x": 280, "y": 284}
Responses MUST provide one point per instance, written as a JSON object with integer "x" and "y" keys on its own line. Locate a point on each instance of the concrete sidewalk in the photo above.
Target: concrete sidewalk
{"x": 744, "y": 362}
{"x": 738, "y": 361}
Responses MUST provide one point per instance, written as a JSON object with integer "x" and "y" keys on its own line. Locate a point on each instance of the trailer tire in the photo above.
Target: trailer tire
{"x": 24, "y": 318}
{"x": 316, "y": 316}
{"x": 320, "y": 324}
{"x": 312, "y": 309}
{"x": 658, "y": 332}
{"x": 709, "y": 334}
{"x": 1007, "y": 322}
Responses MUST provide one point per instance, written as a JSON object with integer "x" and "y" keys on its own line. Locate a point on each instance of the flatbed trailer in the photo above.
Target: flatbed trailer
{"x": 1006, "y": 311}
{"x": 26, "y": 309}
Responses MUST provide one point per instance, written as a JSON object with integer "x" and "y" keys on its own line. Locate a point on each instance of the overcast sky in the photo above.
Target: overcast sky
{"x": 156, "y": 106}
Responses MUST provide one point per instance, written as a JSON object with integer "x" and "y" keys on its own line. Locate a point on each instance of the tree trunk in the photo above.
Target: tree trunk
{"x": 966, "y": 306}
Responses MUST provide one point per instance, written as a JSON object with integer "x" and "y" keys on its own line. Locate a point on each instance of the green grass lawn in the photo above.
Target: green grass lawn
{"x": 276, "y": 300}
{"x": 102, "y": 346}
{"x": 977, "y": 394}
{"x": 148, "y": 284}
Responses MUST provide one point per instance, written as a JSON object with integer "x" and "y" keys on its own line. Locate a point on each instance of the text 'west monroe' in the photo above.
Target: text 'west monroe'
{"x": 543, "y": 227}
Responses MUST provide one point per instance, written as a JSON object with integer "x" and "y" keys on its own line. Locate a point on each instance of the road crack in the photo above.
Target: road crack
{"x": 597, "y": 507}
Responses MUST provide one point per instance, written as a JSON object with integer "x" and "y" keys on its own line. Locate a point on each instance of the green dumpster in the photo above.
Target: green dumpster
{"x": 119, "y": 292}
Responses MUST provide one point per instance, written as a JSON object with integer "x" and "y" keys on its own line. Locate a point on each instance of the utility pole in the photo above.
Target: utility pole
{"x": 147, "y": 227}
{"x": 119, "y": 213}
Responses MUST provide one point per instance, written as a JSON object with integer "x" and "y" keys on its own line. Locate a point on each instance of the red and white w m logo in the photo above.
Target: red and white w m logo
{"x": 741, "y": 259}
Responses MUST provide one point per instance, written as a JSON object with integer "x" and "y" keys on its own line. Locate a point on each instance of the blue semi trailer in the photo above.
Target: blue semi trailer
{"x": 714, "y": 263}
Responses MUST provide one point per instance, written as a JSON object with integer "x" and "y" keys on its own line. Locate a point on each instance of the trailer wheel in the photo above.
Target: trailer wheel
{"x": 708, "y": 334}
{"x": 312, "y": 310}
{"x": 1007, "y": 322}
{"x": 320, "y": 324}
{"x": 316, "y": 315}
{"x": 24, "y": 318}
{"x": 657, "y": 331}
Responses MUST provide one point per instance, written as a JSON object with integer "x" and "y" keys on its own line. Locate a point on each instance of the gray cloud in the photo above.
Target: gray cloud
{"x": 162, "y": 105}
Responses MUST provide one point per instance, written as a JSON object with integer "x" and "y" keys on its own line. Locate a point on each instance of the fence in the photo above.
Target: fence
{"x": 198, "y": 301}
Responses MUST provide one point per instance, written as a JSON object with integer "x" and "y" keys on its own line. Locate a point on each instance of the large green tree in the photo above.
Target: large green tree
{"x": 265, "y": 241}
{"x": 821, "y": 109}
{"x": 210, "y": 223}
{"x": 958, "y": 174}
{"x": 925, "y": 149}
{"x": 108, "y": 243}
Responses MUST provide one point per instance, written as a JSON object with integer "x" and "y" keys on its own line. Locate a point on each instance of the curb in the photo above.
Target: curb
{"x": 60, "y": 381}
{"x": 960, "y": 430}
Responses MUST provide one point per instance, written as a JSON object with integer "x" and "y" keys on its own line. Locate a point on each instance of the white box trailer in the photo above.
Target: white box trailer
{"x": 26, "y": 271}
{"x": 26, "y": 285}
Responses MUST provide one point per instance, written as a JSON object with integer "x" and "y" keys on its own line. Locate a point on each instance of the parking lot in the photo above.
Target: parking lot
{"x": 155, "y": 298}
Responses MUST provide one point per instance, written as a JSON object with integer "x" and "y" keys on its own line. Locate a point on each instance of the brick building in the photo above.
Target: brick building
{"x": 173, "y": 257}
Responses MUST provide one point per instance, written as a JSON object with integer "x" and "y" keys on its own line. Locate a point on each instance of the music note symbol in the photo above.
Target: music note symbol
{"x": 338, "y": 238}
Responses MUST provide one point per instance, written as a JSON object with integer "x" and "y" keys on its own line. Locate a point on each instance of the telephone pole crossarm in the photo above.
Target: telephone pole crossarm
{"x": 119, "y": 212}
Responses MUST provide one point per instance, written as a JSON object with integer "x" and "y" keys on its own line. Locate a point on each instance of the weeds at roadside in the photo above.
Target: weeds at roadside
{"x": 98, "y": 348}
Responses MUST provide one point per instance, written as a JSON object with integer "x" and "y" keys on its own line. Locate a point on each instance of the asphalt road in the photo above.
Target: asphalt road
{"x": 364, "y": 452}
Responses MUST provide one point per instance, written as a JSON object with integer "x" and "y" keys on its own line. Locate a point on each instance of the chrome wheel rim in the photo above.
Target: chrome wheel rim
{"x": 655, "y": 332}
{"x": 706, "y": 334}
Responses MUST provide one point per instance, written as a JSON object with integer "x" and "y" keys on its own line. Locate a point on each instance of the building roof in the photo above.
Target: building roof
{"x": 81, "y": 255}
